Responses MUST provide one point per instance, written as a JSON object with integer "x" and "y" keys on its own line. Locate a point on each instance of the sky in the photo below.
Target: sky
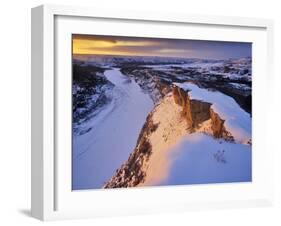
{"x": 136, "y": 46}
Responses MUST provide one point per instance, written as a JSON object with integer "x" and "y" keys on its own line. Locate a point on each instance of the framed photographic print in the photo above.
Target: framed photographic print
{"x": 136, "y": 112}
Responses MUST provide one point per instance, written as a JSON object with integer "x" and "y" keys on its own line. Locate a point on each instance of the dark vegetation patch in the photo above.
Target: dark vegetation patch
{"x": 158, "y": 82}
{"x": 88, "y": 90}
{"x": 242, "y": 97}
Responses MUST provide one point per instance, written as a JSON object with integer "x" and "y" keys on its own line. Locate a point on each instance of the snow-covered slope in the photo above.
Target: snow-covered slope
{"x": 186, "y": 157}
{"x": 177, "y": 152}
{"x": 199, "y": 158}
{"x": 171, "y": 128}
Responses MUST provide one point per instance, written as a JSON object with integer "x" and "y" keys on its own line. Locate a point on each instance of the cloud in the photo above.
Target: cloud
{"x": 137, "y": 46}
{"x": 82, "y": 37}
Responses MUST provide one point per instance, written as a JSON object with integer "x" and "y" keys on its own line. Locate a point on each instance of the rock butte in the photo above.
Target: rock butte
{"x": 198, "y": 116}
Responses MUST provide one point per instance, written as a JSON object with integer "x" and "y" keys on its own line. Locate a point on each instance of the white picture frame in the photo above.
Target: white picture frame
{"x": 51, "y": 197}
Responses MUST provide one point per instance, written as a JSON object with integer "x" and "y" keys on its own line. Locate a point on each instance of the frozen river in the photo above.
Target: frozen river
{"x": 115, "y": 130}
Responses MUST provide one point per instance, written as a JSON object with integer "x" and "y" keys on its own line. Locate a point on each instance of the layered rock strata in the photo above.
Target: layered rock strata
{"x": 194, "y": 112}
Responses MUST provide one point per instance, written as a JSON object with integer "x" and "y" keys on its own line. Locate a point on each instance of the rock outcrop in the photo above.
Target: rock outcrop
{"x": 193, "y": 114}
{"x": 196, "y": 112}
{"x": 217, "y": 124}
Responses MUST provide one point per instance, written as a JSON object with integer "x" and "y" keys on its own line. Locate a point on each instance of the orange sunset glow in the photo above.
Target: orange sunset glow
{"x": 138, "y": 46}
{"x": 94, "y": 45}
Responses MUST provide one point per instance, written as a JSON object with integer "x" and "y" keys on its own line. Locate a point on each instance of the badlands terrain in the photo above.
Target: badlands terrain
{"x": 146, "y": 121}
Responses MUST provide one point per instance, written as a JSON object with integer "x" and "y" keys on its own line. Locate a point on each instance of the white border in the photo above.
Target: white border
{"x": 44, "y": 198}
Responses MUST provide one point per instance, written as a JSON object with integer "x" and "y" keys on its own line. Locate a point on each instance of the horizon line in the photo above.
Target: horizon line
{"x": 94, "y": 54}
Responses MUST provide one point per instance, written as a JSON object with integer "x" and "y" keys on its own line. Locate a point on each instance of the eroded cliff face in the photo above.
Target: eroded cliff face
{"x": 197, "y": 112}
{"x": 174, "y": 117}
{"x": 217, "y": 124}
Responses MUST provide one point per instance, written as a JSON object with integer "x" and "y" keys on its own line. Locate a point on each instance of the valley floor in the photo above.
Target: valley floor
{"x": 98, "y": 153}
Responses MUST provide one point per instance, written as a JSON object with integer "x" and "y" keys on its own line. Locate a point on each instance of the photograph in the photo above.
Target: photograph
{"x": 152, "y": 112}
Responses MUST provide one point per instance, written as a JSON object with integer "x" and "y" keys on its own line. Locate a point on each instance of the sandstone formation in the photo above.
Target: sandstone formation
{"x": 196, "y": 112}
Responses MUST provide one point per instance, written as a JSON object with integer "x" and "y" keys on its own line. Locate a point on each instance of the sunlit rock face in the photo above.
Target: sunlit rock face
{"x": 197, "y": 111}
{"x": 174, "y": 117}
{"x": 217, "y": 124}
{"x": 218, "y": 128}
{"x": 181, "y": 98}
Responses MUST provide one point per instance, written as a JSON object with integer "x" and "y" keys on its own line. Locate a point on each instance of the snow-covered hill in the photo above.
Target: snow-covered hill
{"x": 183, "y": 148}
